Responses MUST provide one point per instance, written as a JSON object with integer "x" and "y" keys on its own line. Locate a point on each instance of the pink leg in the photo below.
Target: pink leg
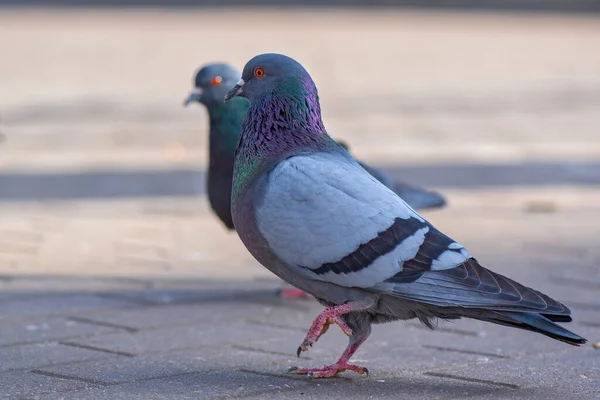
{"x": 331, "y": 315}
{"x": 341, "y": 365}
{"x": 292, "y": 293}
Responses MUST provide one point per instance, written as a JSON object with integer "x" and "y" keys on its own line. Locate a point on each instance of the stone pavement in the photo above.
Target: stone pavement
{"x": 117, "y": 282}
{"x": 142, "y": 301}
{"x": 137, "y": 336}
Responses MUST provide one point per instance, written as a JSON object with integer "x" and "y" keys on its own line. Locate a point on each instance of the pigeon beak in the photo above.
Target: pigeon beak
{"x": 236, "y": 91}
{"x": 195, "y": 95}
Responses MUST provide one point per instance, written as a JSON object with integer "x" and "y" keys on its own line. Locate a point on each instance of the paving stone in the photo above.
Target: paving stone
{"x": 117, "y": 369}
{"x": 380, "y": 358}
{"x": 171, "y": 315}
{"x": 425, "y": 387}
{"x": 43, "y": 354}
{"x": 161, "y": 340}
{"x": 56, "y": 305}
{"x": 39, "y": 329}
{"x": 558, "y": 369}
{"x": 209, "y": 385}
{"x": 404, "y": 386}
{"x": 543, "y": 233}
{"x": 580, "y": 390}
{"x": 28, "y": 385}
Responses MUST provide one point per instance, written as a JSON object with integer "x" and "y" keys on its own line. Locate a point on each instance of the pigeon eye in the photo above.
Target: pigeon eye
{"x": 259, "y": 72}
{"x": 216, "y": 81}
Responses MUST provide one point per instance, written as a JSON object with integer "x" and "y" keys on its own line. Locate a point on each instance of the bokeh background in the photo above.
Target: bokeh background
{"x": 496, "y": 104}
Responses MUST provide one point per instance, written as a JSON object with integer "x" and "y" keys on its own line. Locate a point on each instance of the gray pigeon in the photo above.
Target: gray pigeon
{"x": 225, "y": 119}
{"x": 308, "y": 212}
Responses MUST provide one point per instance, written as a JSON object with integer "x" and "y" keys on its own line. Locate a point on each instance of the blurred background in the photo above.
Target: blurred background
{"x": 496, "y": 104}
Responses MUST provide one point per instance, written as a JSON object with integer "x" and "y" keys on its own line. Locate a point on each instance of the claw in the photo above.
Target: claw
{"x": 292, "y": 369}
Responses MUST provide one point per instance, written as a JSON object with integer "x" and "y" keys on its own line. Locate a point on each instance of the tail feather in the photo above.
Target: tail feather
{"x": 558, "y": 318}
{"x": 536, "y": 323}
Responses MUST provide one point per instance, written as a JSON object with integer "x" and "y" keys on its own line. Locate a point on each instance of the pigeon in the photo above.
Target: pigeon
{"x": 225, "y": 119}
{"x": 211, "y": 84}
{"x": 308, "y": 212}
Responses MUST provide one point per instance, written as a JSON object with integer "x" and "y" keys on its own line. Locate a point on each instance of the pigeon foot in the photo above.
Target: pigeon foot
{"x": 329, "y": 371}
{"x": 331, "y": 315}
{"x": 341, "y": 365}
{"x": 292, "y": 293}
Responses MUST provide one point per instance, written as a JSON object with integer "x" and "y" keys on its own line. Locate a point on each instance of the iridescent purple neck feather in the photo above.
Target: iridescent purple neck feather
{"x": 288, "y": 118}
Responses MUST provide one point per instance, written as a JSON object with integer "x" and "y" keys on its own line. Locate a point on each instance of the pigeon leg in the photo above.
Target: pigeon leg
{"x": 341, "y": 365}
{"x": 331, "y": 315}
{"x": 292, "y": 293}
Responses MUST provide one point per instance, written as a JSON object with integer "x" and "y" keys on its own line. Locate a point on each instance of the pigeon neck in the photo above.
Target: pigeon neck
{"x": 276, "y": 127}
{"x": 225, "y": 124}
{"x": 281, "y": 122}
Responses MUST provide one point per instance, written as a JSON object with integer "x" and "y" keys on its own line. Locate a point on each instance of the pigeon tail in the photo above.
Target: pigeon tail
{"x": 535, "y": 322}
{"x": 419, "y": 199}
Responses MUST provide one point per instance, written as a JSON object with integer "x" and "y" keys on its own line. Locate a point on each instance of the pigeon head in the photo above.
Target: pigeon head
{"x": 212, "y": 83}
{"x": 273, "y": 74}
{"x": 283, "y": 97}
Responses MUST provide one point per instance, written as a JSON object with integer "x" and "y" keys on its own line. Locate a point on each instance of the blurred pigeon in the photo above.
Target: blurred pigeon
{"x": 211, "y": 84}
{"x": 225, "y": 118}
{"x": 2, "y": 136}
{"x": 312, "y": 215}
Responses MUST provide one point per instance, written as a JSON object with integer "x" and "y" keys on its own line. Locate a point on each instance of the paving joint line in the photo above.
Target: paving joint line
{"x": 473, "y": 352}
{"x": 88, "y": 347}
{"x": 58, "y": 364}
{"x": 68, "y": 377}
{"x": 101, "y": 323}
{"x": 51, "y": 340}
{"x": 277, "y": 353}
{"x": 475, "y": 380}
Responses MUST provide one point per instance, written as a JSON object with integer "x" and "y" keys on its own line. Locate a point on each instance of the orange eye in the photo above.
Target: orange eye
{"x": 216, "y": 81}
{"x": 259, "y": 72}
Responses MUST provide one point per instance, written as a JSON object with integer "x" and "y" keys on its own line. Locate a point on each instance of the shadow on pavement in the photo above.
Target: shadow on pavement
{"x": 107, "y": 184}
